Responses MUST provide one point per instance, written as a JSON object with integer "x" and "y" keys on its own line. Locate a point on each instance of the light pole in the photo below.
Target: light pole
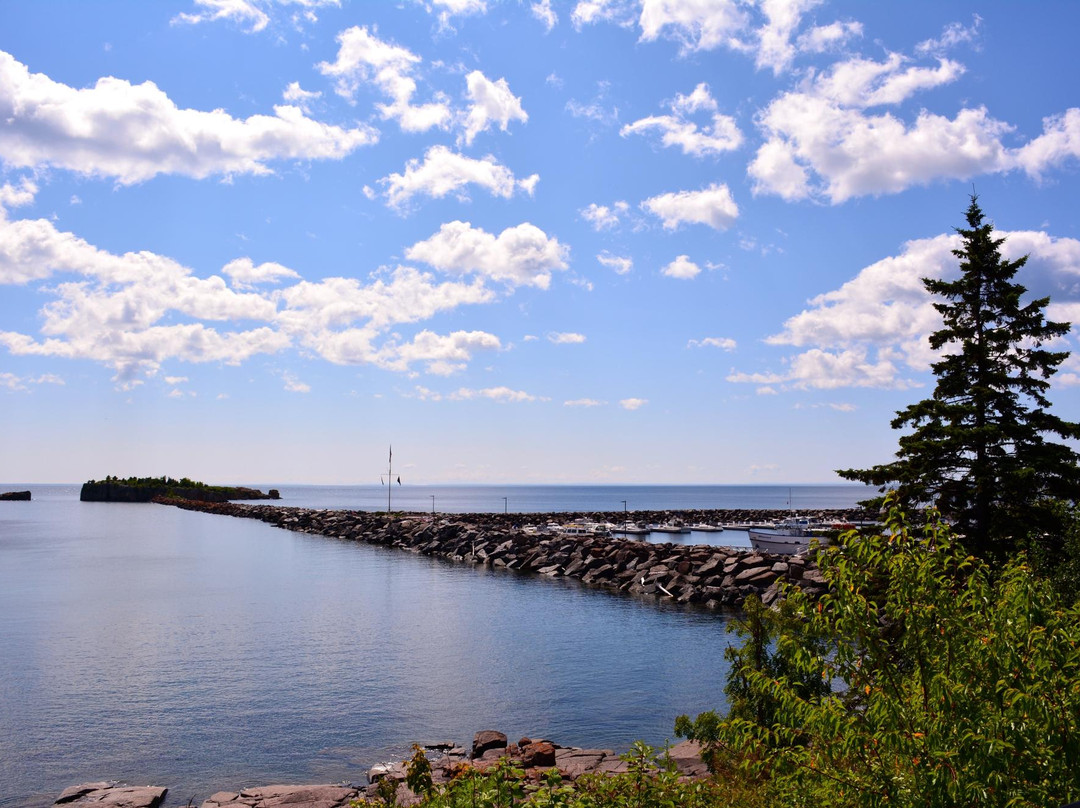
{"x": 504, "y": 504}
{"x": 432, "y": 504}
{"x": 624, "y": 513}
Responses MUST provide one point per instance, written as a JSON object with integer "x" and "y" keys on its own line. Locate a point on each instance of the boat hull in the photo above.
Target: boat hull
{"x": 783, "y": 543}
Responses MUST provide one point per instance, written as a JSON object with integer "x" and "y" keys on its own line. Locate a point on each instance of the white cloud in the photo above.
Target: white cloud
{"x": 491, "y": 101}
{"x": 955, "y": 33}
{"x": 249, "y": 13}
{"x": 584, "y": 402}
{"x": 602, "y": 217}
{"x": 633, "y": 403}
{"x": 294, "y": 385}
{"x": 458, "y": 8}
{"x": 565, "y": 338}
{"x": 503, "y": 395}
{"x": 135, "y": 132}
{"x": 682, "y": 268}
{"x": 621, "y": 264}
{"x": 363, "y": 58}
{"x": 244, "y": 274}
{"x": 822, "y": 142}
{"x": 444, "y": 172}
{"x": 826, "y": 38}
{"x": 696, "y": 24}
{"x": 676, "y": 130}
{"x": 241, "y": 12}
{"x": 873, "y": 331}
{"x": 523, "y": 255}
{"x": 1059, "y": 143}
{"x": 587, "y": 12}
{"x": 712, "y": 206}
{"x": 300, "y": 97}
{"x": 175, "y": 380}
{"x": 443, "y": 355}
{"x": 122, "y": 310}
{"x": 545, "y": 13}
{"x": 724, "y": 343}
{"x": 16, "y": 197}
{"x": 19, "y": 383}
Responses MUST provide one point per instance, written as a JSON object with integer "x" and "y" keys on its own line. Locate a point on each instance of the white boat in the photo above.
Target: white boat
{"x": 582, "y": 529}
{"x": 630, "y": 529}
{"x": 668, "y": 529}
{"x": 703, "y": 528}
{"x": 786, "y": 537}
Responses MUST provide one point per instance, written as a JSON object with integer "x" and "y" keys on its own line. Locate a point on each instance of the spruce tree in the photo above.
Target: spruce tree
{"x": 982, "y": 449}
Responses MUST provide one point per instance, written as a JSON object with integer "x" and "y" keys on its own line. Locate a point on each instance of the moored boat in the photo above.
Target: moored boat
{"x": 786, "y": 537}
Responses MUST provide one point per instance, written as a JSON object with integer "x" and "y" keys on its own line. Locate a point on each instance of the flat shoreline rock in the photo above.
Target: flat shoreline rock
{"x": 534, "y": 756}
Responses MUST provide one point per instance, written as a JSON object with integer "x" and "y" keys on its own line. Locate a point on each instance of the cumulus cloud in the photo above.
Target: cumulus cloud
{"x": 136, "y": 311}
{"x": 677, "y": 130}
{"x": 523, "y": 255}
{"x": 444, "y": 172}
{"x": 621, "y": 264}
{"x": 565, "y": 338}
{"x": 873, "y": 331}
{"x": 770, "y": 31}
{"x": 134, "y": 132}
{"x": 633, "y": 403}
{"x": 244, "y": 274}
{"x": 724, "y": 343}
{"x": 602, "y": 217}
{"x": 712, "y": 206}
{"x": 363, "y": 58}
{"x": 823, "y": 141}
{"x": 448, "y": 9}
{"x": 682, "y": 268}
{"x": 490, "y": 102}
{"x": 300, "y": 97}
{"x": 12, "y": 196}
{"x": 584, "y": 402}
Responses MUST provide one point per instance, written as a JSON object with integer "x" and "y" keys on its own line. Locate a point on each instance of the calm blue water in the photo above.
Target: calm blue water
{"x": 148, "y": 644}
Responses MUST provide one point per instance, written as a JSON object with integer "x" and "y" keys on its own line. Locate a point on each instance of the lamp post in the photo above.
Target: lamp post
{"x": 624, "y": 513}
{"x": 504, "y": 504}
{"x": 432, "y": 504}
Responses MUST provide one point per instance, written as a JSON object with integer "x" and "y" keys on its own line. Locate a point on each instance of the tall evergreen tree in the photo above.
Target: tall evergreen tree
{"x": 982, "y": 449}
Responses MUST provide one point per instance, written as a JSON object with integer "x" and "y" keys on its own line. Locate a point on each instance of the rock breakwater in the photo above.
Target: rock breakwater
{"x": 699, "y": 575}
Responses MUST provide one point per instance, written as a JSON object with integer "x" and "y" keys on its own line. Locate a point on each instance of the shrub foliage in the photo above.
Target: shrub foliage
{"x": 947, "y": 685}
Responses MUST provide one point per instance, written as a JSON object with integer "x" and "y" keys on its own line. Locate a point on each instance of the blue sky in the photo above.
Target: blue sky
{"x": 607, "y": 241}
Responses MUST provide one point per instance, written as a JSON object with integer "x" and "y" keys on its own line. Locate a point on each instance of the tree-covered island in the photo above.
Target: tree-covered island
{"x": 146, "y": 489}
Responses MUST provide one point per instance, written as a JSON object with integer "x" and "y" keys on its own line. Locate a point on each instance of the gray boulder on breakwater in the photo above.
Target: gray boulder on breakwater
{"x": 700, "y": 575}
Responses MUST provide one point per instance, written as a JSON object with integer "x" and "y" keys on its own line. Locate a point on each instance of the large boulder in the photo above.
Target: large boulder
{"x": 485, "y": 740}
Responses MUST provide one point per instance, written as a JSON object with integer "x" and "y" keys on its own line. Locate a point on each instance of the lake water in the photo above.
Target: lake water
{"x": 153, "y": 645}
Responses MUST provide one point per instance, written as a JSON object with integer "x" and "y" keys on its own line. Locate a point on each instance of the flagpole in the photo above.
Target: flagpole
{"x": 389, "y": 477}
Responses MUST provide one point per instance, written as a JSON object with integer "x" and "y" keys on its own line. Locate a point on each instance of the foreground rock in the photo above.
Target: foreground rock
{"x": 15, "y": 496}
{"x": 535, "y": 756}
{"x": 112, "y": 795}
{"x": 705, "y": 576}
{"x": 319, "y": 796}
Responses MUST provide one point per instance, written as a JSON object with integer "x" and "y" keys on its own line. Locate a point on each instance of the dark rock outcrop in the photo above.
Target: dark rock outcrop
{"x": 15, "y": 496}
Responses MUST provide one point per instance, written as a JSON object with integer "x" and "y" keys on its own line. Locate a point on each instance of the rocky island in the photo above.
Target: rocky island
{"x": 147, "y": 489}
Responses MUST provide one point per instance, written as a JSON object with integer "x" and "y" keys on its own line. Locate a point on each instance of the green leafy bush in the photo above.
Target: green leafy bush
{"x": 947, "y": 685}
